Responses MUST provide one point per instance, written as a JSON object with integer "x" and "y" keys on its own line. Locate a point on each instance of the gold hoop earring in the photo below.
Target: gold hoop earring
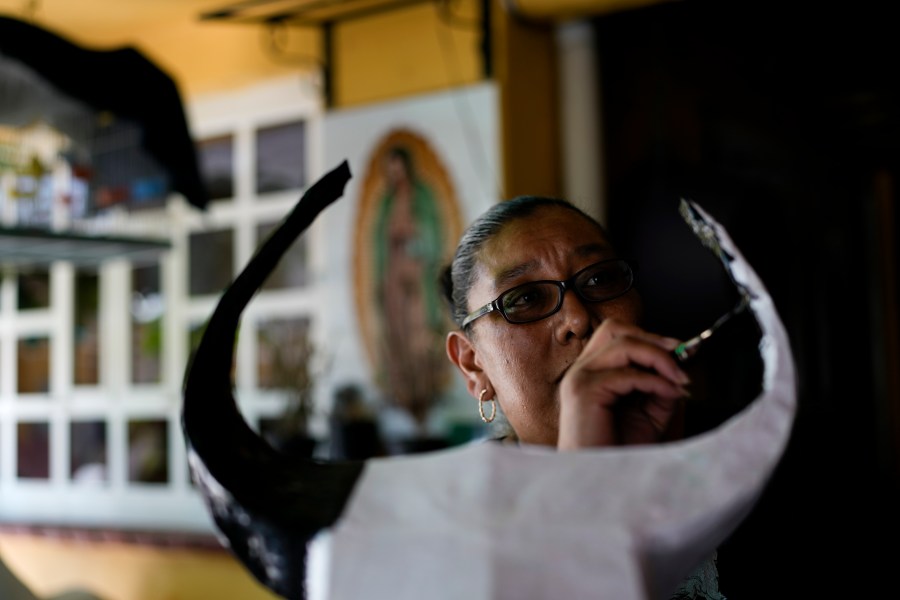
{"x": 481, "y": 402}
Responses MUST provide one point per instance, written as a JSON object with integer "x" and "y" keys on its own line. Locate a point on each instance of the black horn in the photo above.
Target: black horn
{"x": 266, "y": 504}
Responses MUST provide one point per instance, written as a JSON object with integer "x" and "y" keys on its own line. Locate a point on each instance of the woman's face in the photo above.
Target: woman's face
{"x": 524, "y": 363}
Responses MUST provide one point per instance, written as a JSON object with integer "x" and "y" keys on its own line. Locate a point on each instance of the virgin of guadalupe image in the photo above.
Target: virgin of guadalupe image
{"x": 408, "y": 245}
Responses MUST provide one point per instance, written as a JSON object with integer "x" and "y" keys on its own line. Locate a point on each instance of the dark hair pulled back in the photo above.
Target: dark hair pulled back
{"x": 458, "y": 277}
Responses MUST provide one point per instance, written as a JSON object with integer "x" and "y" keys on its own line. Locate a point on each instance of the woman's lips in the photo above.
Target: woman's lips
{"x": 563, "y": 374}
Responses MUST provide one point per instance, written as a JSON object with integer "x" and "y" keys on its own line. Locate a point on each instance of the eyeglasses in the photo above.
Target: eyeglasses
{"x": 538, "y": 300}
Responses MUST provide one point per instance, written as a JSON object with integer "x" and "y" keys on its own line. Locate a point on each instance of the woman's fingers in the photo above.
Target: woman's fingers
{"x": 624, "y": 388}
{"x": 617, "y": 406}
{"x": 618, "y": 345}
{"x": 620, "y": 381}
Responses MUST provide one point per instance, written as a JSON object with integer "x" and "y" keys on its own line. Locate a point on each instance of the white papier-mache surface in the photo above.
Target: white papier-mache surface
{"x": 488, "y": 521}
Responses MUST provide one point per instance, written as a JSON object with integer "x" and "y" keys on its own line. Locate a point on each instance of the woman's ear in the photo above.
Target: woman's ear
{"x": 463, "y": 354}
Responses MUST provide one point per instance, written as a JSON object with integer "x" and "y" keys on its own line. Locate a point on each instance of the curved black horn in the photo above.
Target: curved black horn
{"x": 267, "y": 504}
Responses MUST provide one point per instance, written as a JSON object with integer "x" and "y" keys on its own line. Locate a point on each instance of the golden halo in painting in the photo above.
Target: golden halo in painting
{"x": 406, "y": 230}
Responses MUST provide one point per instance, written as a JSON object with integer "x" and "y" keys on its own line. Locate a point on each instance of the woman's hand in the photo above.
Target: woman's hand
{"x": 624, "y": 388}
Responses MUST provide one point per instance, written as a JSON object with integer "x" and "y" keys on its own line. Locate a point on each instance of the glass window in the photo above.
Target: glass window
{"x": 33, "y": 290}
{"x": 33, "y": 450}
{"x": 87, "y": 452}
{"x": 147, "y": 308}
{"x": 211, "y": 256}
{"x": 33, "y": 358}
{"x": 280, "y": 157}
{"x": 292, "y": 270}
{"x": 216, "y": 157}
{"x": 86, "y": 359}
{"x": 148, "y": 451}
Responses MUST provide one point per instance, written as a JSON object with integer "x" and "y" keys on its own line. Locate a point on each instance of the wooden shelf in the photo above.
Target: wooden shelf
{"x": 38, "y": 247}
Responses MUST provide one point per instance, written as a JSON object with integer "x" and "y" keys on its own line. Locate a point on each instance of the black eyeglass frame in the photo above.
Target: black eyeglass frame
{"x": 497, "y": 305}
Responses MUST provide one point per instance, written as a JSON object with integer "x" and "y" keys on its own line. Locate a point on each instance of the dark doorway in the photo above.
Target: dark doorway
{"x": 785, "y": 126}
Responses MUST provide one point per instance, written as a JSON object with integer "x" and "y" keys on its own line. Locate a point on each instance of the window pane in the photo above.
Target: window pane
{"x": 216, "y": 157}
{"x": 148, "y": 451}
{"x": 33, "y": 365}
{"x": 33, "y": 450}
{"x": 292, "y": 269}
{"x": 34, "y": 290}
{"x": 147, "y": 307}
{"x": 211, "y": 262}
{"x": 87, "y": 331}
{"x": 87, "y": 454}
{"x": 280, "y": 157}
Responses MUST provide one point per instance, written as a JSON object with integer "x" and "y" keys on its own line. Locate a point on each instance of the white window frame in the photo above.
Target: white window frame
{"x": 175, "y": 505}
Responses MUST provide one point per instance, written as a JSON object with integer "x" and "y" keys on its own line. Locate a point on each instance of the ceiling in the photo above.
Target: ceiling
{"x": 106, "y": 22}
{"x": 214, "y": 55}
{"x": 117, "y": 21}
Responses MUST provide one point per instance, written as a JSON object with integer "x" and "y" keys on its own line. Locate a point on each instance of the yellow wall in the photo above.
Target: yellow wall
{"x": 406, "y": 52}
{"x": 126, "y": 571}
{"x": 525, "y": 58}
{"x": 387, "y": 55}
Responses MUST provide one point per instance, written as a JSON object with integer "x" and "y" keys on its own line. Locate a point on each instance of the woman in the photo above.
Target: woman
{"x": 570, "y": 370}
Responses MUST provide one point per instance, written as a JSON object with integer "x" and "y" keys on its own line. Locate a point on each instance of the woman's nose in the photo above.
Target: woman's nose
{"x": 576, "y": 319}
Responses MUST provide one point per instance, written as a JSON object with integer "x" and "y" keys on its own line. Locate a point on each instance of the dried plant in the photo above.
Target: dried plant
{"x": 291, "y": 363}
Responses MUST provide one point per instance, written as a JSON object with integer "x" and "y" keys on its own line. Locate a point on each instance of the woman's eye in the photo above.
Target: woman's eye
{"x": 605, "y": 277}
{"x": 524, "y": 297}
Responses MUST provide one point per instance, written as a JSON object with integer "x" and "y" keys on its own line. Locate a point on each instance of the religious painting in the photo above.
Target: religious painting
{"x": 449, "y": 141}
{"x": 407, "y": 226}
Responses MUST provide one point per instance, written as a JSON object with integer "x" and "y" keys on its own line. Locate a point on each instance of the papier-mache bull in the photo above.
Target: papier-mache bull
{"x": 481, "y": 521}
